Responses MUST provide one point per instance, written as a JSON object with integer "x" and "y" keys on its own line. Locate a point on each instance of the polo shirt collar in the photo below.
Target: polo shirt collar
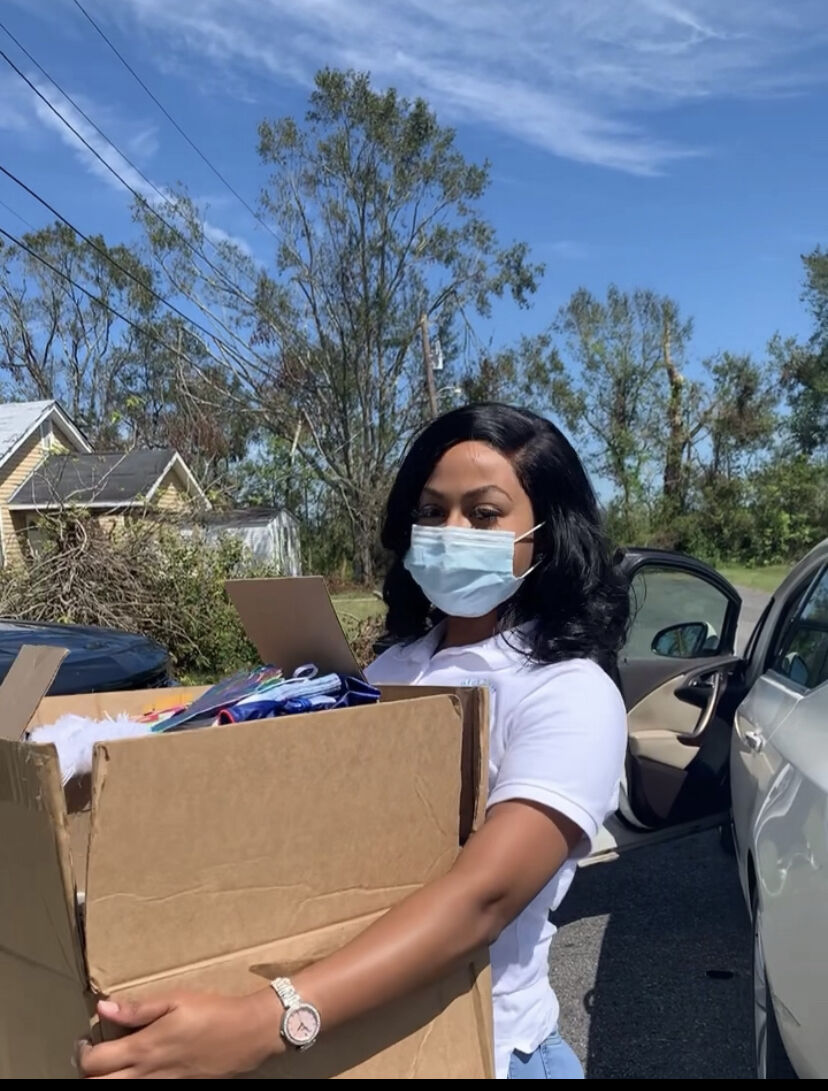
{"x": 495, "y": 653}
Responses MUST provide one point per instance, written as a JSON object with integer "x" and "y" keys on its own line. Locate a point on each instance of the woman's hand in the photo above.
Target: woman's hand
{"x": 189, "y": 1036}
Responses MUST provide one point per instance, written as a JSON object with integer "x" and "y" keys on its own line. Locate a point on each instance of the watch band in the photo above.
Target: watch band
{"x": 283, "y": 987}
{"x": 300, "y": 1021}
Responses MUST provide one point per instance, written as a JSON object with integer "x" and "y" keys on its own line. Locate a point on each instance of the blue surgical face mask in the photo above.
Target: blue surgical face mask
{"x": 463, "y": 571}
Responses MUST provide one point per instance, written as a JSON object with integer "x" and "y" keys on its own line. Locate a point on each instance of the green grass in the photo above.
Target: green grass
{"x": 357, "y": 605}
{"x": 766, "y": 578}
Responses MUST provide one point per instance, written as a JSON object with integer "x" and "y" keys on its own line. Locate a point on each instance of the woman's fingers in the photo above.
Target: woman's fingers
{"x": 133, "y": 1013}
{"x": 106, "y": 1059}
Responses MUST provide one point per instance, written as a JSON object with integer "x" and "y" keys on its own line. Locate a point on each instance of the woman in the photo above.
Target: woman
{"x": 501, "y": 575}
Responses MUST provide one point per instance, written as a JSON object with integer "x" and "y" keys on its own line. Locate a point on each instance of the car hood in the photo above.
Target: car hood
{"x": 98, "y": 659}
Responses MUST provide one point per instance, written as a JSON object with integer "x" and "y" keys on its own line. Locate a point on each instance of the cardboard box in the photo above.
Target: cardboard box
{"x": 217, "y": 858}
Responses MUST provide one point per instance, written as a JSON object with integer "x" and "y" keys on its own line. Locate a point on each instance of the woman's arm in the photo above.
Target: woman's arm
{"x": 500, "y": 870}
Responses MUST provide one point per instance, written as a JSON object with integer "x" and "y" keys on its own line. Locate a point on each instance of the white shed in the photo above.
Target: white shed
{"x": 270, "y": 534}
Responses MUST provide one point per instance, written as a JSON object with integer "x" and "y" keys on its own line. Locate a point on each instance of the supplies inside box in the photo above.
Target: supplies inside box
{"x": 259, "y": 694}
{"x": 215, "y": 858}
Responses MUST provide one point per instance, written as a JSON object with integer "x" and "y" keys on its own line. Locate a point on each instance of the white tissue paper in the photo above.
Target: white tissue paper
{"x": 75, "y": 736}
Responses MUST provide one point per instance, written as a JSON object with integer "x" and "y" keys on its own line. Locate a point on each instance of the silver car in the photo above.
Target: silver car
{"x": 779, "y": 788}
{"x": 713, "y": 733}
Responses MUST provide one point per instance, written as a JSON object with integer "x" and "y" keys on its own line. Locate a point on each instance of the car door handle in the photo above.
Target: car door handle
{"x": 711, "y": 694}
{"x": 754, "y": 741}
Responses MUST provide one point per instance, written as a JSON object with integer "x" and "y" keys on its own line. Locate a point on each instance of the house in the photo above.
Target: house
{"x": 46, "y": 464}
{"x": 270, "y": 535}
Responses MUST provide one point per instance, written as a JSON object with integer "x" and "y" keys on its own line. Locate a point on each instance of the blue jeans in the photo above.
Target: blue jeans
{"x": 552, "y": 1060}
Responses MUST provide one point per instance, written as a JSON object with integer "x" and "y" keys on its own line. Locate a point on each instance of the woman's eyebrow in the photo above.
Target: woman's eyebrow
{"x": 475, "y": 494}
{"x": 472, "y": 494}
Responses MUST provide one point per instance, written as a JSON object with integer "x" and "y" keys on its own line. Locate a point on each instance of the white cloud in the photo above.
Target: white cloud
{"x": 15, "y": 113}
{"x": 103, "y": 160}
{"x": 583, "y": 79}
{"x": 567, "y": 249}
{"x": 96, "y": 154}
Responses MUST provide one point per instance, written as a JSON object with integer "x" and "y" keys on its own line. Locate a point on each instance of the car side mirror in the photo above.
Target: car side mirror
{"x": 684, "y": 641}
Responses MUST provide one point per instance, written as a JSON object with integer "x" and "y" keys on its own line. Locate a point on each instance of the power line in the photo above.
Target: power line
{"x": 22, "y": 219}
{"x": 229, "y": 284}
{"x": 149, "y": 334}
{"x": 142, "y": 200}
{"x": 174, "y": 123}
{"x": 108, "y": 306}
{"x": 132, "y": 276}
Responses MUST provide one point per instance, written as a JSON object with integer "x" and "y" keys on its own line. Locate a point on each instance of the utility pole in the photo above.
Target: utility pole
{"x": 428, "y": 364}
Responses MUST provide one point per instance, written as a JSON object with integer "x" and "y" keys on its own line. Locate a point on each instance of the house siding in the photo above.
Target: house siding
{"x": 171, "y": 497}
{"x": 22, "y": 463}
{"x": 49, "y": 439}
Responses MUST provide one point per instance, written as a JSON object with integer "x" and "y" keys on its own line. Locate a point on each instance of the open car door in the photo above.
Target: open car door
{"x": 680, "y": 682}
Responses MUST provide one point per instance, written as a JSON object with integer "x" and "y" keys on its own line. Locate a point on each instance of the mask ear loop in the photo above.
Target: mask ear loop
{"x": 526, "y": 534}
{"x": 531, "y": 530}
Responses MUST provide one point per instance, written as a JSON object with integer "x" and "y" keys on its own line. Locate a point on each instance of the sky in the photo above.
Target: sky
{"x": 678, "y": 145}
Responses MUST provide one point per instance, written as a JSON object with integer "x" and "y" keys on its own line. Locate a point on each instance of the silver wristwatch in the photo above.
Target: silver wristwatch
{"x": 301, "y": 1021}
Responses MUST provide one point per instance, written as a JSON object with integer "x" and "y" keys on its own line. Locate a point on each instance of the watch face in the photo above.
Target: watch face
{"x": 301, "y": 1025}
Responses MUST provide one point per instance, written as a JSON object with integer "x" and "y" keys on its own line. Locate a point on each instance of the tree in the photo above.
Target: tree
{"x": 684, "y": 416}
{"x": 56, "y": 341}
{"x": 742, "y": 416}
{"x": 90, "y": 330}
{"x": 379, "y": 224}
{"x": 180, "y": 397}
{"x": 803, "y": 369}
{"x": 527, "y": 373}
{"x": 624, "y": 393}
{"x": 738, "y": 419}
{"x": 670, "y": 445}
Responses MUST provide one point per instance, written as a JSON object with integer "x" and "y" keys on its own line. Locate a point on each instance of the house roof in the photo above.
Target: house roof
{"x": 124, "y": 479}
{"x": 243, "y": 517}
{"x": 18, "y": 420}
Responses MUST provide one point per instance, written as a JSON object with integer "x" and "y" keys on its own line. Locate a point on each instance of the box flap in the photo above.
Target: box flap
{"x": 37, "y": 897}
{"x": 180, "y": 872}
{"x": 292, "y": 621}
{"x": 26, "y": 683}
{"x": 474, "y": 700}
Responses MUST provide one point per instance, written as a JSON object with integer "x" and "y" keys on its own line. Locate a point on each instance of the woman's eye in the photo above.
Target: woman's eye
{"x": 428, "y": 514}
{"x": 485, "y": 515}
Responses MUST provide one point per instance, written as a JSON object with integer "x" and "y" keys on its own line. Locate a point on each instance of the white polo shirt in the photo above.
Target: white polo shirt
{"x": 558, "y": 737}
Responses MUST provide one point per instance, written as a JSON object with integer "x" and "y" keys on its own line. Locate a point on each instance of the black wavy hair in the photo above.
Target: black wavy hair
{"x": 577, "y": 595}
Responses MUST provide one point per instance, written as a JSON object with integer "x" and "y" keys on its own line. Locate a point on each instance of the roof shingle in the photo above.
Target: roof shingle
{"x": 94, "y": 480}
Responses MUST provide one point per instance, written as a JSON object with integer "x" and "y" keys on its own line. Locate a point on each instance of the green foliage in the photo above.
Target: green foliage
{"x": 773, "y": 514}
{"x": 190, "y": 578}
{"x": 143, "y": 578}
{"x": 379, "y": 220}
{"x": 147, "y": 380}
{"x": 803, "y": 369}
{"x": 789, "y": 508}
{"x": 310, "y": 380}
{"x": 622, "y": 395}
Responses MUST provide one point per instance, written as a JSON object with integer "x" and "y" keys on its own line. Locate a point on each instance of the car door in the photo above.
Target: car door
{"x": 771, "y": 696}
{"x": 780, "y": 797}
{"x": 676, "y": 672}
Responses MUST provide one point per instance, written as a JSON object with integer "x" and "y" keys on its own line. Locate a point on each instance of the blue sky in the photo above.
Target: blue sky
{"x": 672, "y": 144}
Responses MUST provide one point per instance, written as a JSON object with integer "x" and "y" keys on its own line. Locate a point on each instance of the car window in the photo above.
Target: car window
{"x": 664, "y": 598}
{"x": 756, "y": 632}
{"x": 802, "y": 653}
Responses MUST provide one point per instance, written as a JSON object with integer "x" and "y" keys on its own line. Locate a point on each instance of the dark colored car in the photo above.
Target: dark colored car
{"x": 99, "y": 660}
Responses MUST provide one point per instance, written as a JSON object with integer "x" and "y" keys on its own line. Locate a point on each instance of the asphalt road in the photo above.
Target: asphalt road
{"x": 652, "y": 960}
{"x": 651, "y": 965}
{"x": 753, "y": 603}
